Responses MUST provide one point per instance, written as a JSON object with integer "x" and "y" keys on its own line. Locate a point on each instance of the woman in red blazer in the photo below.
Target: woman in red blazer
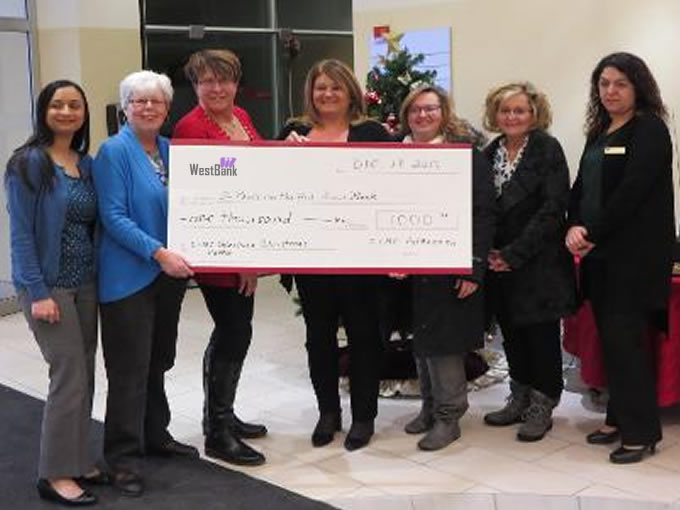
{"x": 215, "y": 76}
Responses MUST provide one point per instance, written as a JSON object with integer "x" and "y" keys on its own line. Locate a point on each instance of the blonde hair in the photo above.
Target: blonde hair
{"x": 538, "y": 101}
{"x": 451, "y": 127}
{"x": 340, "y": 73}
{"x": 223, "y": 63}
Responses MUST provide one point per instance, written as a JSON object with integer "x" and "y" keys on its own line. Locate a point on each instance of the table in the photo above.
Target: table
{"x": 581, "y": 340}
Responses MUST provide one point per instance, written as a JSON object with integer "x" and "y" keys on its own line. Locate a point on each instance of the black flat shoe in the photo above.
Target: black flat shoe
{"x": 127, "y": 483}
{"x": 600, "y": 437}
{"x": 48, "y": 493}
{"x": 173, "y": 447}
{"x": 623, "y": 455}
{"x": 325, "y": 429}
{"x": 246, "y": 430}
{"x": 359, "y": 435}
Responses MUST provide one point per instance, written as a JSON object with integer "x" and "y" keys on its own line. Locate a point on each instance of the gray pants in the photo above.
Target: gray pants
{"x": 443, "y": 385}
{"x": 68, "y": 347}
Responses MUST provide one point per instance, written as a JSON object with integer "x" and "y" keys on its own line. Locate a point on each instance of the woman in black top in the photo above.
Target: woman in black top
{"x": 531, "y": 282}
{"x": 622, "y": 227}
{"x": 335, "y": 112}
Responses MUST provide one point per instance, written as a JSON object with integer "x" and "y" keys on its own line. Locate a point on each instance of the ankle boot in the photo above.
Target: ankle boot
{"x": 221, "y": 442}
{"x": 326, "y": 427}
{"x": 517, "y": 403}
{"x": 359, "y": 435}
{"x": 442, "y": 434}
{"x": 422, "y": 422}
{"x": 537, "y": 417}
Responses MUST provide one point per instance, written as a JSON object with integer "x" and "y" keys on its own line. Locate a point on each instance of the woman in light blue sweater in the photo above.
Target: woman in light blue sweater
{"x": 141, "y": 283}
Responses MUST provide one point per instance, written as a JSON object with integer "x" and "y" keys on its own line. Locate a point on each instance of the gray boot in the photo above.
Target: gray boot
{"x": 421, "y": 423}
{"x": 517, "y": 403}
{"x": 425, "y": 419}
{"x": 449, "y": 392}
{"x": 537, "y": 417}
{"x": 443, "y": 433}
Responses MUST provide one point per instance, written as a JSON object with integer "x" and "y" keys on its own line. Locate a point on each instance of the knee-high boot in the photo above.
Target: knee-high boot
{"x": 242, "y": 429}
{"x": 221, "y": 442}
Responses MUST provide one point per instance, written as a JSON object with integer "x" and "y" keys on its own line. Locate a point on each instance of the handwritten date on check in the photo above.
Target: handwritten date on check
{"x": 327, "y": 209}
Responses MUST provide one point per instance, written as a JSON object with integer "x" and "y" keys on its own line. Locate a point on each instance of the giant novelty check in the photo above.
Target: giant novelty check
{"x": 356, "y": 208}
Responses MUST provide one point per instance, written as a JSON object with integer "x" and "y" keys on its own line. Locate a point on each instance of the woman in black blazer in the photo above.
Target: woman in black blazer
{"x": 335, "y": 112}
{"x": 622, "y": 226}
{"x": 530, "y": 285}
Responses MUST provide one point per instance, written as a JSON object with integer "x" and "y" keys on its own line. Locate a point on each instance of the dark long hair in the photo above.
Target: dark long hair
{"x": 647, "y": 95}
{"x": 43, "y": 137}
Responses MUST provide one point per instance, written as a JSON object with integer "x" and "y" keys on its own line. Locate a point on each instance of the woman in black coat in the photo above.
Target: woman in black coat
{"x": 622, "y": 226}
{"x": 530, "y": 284}
{"x": 447, "y": 309}
{"x": 335, "y": 112}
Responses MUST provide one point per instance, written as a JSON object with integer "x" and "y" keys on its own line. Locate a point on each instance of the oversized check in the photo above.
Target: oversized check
{"x": 350, "y": 208}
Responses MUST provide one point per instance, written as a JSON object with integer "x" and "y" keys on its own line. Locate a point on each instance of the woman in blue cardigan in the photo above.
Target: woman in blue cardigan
{"x": 52, "y": 210}
{"x": 141, "y": 283}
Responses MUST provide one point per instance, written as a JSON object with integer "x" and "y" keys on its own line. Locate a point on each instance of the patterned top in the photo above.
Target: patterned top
{"x": 503, "y": 168}
{"x": 159, "y": 167}
{"x": 77, "y": 260}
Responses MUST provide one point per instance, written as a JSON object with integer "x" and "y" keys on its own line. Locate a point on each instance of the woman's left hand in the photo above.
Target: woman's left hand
{"x": 465, "y": 288}
{"x": 497, "y": 262}
{"x": 247, "y": 283}
{"x": 172, "y": 263}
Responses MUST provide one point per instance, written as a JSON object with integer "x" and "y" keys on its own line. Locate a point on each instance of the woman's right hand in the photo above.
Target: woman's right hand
{"x": 577, "y": 241}
{"x": 293, "y": 136}
{"x": 172, "y": 263}
{"x": 45, "y": 310}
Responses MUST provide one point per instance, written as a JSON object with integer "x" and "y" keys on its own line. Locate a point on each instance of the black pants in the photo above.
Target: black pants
{"x": 353, "y": 301}
{"x": 628, "y": 364}
{"x": 139, "y": 335}
{"x": 534, "y": 353}
{"x": 232, "y": 313}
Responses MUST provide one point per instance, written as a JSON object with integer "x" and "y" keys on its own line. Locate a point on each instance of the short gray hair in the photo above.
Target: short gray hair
{"x": 144, "y": 81}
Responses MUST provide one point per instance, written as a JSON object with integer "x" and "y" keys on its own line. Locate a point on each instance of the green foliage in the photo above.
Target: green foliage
{"x": 388, "y": 83}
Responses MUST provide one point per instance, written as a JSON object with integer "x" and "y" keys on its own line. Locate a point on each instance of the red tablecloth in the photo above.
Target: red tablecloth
{"x": 580, "y": 339}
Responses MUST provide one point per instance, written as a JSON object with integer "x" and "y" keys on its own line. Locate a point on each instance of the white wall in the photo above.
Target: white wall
{"x": 555, "y": 44}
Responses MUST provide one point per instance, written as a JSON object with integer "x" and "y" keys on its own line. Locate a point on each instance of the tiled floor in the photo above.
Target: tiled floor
{"x": 486, "y": 469}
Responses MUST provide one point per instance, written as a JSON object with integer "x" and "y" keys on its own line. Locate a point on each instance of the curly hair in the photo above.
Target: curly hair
{"x": 538, "y": 101}
{"x": 647, "y": 95}
{"x": 453, "y": 128}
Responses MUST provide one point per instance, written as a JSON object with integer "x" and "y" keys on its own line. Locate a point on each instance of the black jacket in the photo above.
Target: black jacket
{"x": 443, "y": 323}
{"x": 367, "y": 131}
{"x": 530, "y": 236}
{"x": 635, "y": 229}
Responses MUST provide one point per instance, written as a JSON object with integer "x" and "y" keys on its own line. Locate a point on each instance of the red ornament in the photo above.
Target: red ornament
{"x": 372, "y": 98}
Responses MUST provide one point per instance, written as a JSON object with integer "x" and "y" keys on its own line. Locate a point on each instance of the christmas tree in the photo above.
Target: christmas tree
{"x": 388, "y": 83}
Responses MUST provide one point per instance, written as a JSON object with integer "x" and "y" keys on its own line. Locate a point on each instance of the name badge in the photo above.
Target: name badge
{"x": 618, "y": 151}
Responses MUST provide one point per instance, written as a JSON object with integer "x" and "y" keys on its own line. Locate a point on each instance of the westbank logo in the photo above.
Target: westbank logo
{"x": 226, "y": 167}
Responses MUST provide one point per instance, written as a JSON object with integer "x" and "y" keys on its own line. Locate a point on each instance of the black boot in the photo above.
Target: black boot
{"x": 220, "y": 441}
{"x": 242, "y": 429}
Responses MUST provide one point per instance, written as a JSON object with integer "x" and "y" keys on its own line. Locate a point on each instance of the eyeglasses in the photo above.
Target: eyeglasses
{"x": 140, "y": 103}
{"x": 426, "y": 109}
{"x": 517, "y": 112}
{"x": 210, "y": 83}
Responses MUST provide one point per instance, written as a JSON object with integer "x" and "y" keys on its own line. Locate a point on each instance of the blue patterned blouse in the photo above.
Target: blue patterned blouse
{"x": 77, "y": 261}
